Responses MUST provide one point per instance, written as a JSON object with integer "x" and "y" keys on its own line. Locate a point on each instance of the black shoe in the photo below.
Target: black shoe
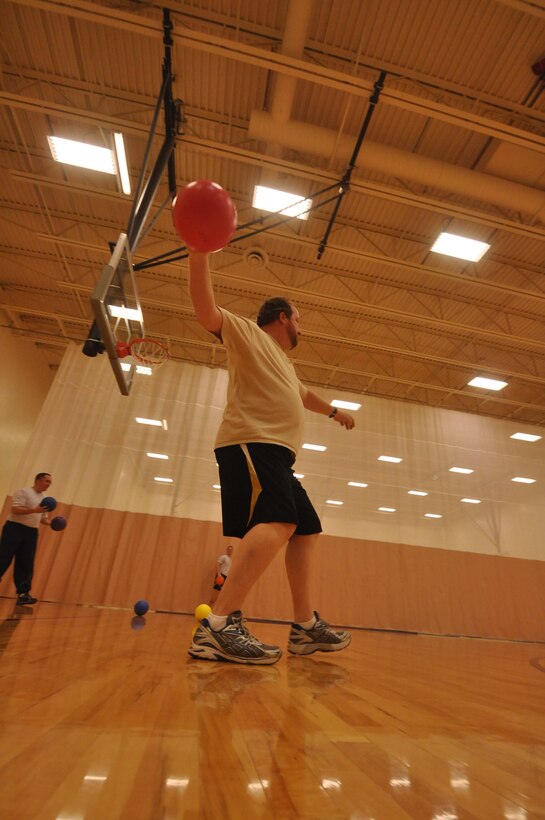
{"x": 25, "y": 598}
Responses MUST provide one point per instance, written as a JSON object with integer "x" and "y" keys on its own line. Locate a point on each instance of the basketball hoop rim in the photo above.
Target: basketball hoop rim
{"x": 159, "y": 351}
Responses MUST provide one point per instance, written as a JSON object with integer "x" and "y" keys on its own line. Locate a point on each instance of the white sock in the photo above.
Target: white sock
{"x": 308, "y": 624}
{"x": 217, "y": 622}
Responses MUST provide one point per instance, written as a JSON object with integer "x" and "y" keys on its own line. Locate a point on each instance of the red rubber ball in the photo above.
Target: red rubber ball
{"x": 204, "y": 216}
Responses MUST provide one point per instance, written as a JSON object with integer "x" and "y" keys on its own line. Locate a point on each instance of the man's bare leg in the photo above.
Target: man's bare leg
{"x": 256, "y": 551}
{"x": 299, "y": 561}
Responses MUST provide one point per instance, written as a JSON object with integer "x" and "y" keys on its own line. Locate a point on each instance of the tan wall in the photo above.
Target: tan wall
{"x": 24, "y": 382}
{"x": 114, "y": 558}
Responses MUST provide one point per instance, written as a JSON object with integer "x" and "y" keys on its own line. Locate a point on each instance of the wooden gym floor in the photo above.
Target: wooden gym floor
{"x": 101, "y": 720}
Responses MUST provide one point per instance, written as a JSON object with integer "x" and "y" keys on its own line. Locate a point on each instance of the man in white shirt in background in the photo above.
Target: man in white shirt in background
{"x": 19, "y": 537}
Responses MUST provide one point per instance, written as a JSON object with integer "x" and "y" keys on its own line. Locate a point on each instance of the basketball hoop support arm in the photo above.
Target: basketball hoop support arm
{"x": 145, "y": 194}
{"x": 345, "y": 182}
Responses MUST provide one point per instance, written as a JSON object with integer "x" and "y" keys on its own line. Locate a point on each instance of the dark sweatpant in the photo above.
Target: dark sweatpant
{"x": 18, "y": 541}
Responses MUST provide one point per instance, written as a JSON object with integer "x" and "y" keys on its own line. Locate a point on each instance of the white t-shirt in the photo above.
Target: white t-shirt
{"x": 225, "y": 564}
{"x": 27, "y": 497}
{"x": 264, "y": 395}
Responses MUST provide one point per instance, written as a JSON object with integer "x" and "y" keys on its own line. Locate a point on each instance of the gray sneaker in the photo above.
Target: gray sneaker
{"x": 321, "y": 638}
{"x": 232, "y": 643}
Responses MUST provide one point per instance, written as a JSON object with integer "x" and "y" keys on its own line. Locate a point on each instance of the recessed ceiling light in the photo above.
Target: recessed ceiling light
{"x": 487, "y": 384}
{"x": 319, "y": 447}
{"x": 82, "y": 154}
{"x": 387, "y": 509}
{"x": 163, "y": 480}
{"x": 416, "y": 492}
{"x": 525, "y": 437}
{"x": 281, "y": 202}
{"x": 151, "y": 422}
{"x": 393, "y": 459}
{"x": 462, "y": 470}
{"x": 345, "y": 405}
{"x": 521, "y": 480}
{"x": 451, "y": 244}
{"x": 334, "y": 503}
{"x": 357, "y": 484}
{"x": 432, "y": 515}
{"x": 299, "y": 475}
{"x": 216, "y": 486}
{"x": 471, "y": 500}
{"x": 157, "y": 455}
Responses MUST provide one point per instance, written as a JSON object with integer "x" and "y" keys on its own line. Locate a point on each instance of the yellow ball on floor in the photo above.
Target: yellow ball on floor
{"x": 202, "y": 611}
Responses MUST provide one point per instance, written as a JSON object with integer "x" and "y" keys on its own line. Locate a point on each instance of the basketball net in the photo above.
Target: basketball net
{"x": 145, "y": 351}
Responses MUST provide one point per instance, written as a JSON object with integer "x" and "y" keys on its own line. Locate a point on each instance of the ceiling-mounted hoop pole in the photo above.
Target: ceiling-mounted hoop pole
{"x": 170, "y": 107}
{"x": 140, "y": 185}
{"x": 345, "y": 182}
{"x": 166, "y": 158}
{"x": 144, "y": 194}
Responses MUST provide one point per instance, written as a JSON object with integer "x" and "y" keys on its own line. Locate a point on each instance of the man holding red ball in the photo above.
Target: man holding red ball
{"x": 262, "y": 502}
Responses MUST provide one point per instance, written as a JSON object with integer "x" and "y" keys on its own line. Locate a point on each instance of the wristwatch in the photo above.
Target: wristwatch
{"x": 333, "y": 413}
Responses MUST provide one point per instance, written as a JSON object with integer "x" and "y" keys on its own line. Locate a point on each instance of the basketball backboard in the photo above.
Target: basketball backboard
{"x": 117, "y": 311}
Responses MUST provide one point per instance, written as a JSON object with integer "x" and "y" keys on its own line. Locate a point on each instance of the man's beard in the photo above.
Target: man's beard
{"x": 294, "y": 339}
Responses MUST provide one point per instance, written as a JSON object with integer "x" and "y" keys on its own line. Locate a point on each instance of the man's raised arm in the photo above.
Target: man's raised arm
{"x": 201, "y": 293}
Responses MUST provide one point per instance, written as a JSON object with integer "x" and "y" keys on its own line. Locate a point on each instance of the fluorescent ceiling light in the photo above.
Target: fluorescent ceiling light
{"x": 334, "y": 503}
{"x": 119, "y": 312}
{"x": 157, "y": 455}
{"x": 299, "y": 475}
{"x": 416, "y": 492}
{"x": 216, "y": 486}
{"x": 319, "y": 447}
{"x": 270, "y": 199}
{"x": 82, "y": 154}
{"x": 151, "y": 422}
{"x": 386, "y": 509}
{"x": 432, "y": 515}
{"x": 521, "y": 480}
{"x": 525, "y": 437}
{"x": 471, "y": 500}
{"x": 357, "y": 484}
{"x": 122, "y": 166}
{"x": 345, "y": 405}
{"x": 462, "y": 470}
{"x": 393, "y": 459}
{"x": 163, "y": 480}
{"x": 140, "y": 368}
{"x": 450, "y": 244}
{"x": 487, "y": 384}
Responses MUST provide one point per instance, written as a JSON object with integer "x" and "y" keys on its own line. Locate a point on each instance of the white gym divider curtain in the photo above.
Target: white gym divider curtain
{"x": 474, "y": 570}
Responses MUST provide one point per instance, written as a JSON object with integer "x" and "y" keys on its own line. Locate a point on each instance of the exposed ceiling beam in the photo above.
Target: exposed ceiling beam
{"x": 284, "y": 64}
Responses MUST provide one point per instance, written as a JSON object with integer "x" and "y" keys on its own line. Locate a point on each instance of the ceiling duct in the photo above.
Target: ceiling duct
{"x": 311, "y": 139}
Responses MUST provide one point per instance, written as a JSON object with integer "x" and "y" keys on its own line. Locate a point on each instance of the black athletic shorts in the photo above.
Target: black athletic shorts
{"x": 258, "y": 487}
